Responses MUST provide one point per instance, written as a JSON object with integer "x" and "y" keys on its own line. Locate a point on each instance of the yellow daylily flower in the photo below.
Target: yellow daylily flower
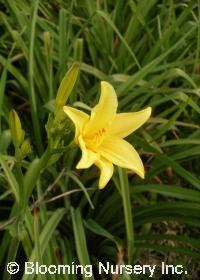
{"x": 100, "y": 135}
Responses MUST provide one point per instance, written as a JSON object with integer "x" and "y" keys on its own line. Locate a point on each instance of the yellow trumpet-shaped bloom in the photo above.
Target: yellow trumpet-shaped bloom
{"x": 100, "y": 135}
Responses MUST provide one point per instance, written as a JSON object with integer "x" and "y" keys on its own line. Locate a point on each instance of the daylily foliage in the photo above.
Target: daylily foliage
{"x": 100, "y": 135}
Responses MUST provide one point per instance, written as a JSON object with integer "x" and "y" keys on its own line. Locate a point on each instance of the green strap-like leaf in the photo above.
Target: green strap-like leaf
{"x": 11, "y": 178}
{"x": 45, "y": 237}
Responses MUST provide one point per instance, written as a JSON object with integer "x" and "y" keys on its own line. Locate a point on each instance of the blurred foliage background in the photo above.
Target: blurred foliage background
{"x": 150, "y": 52}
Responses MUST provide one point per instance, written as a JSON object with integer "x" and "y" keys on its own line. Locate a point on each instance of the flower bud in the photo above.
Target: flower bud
{"x": 66, "y": 86}
{"x": 16, "y": 130}
{"x": 26, "y": 148}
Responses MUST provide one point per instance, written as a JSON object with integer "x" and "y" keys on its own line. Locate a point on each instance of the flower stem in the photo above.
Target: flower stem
{"x": 125, "y": 193}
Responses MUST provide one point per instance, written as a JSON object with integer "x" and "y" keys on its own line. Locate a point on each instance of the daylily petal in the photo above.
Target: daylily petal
{"x": 78, "y": 117}
{"x": 125, "y": 123}
{"x": 106, "y": 171}
{"x": 88, "y": 157}
{"x": 105, "y": 111}
{"x": 121, "y": 153}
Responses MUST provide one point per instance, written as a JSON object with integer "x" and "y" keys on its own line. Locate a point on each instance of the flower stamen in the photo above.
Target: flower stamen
{"x": 93, "y": 141}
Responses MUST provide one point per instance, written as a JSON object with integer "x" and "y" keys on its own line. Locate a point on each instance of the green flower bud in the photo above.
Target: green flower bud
{"x": 26, "y": 148}
{"x": 66, "y": 86}
{"x": 16, "y": 130}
